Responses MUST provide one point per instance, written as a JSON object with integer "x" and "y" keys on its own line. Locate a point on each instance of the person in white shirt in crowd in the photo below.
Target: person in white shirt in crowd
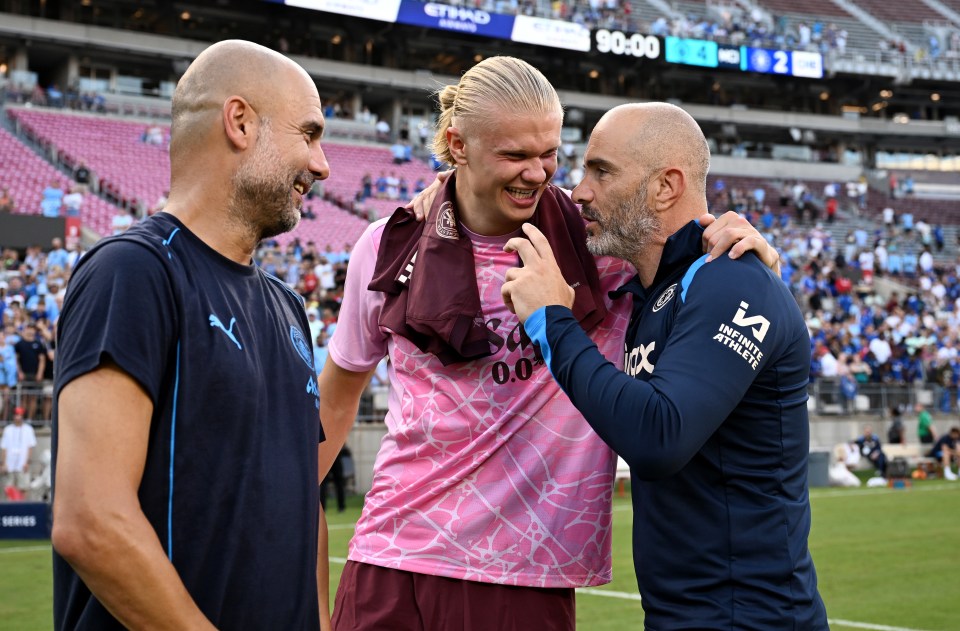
{"x": 925, "y": 232}
{"x": 73, "y": 202}
{"x": 862, "y": 190}
{"x": 121, "y": 221}
{"x": 938, "y": 291}
{"x": 947, "y": 352}
{"x": 74, "y": 252}
{"x": 326, "y": 276}
{"x": 316, "y": 324}
{"x": 798, "y": 190}
{"x": 866, "y": 260}
{"x": 383, "y": 130}
{"x": 926, "y": 261}
{"x": 888, "y": 217}
{"x": 828, "y": 363}
{"x": 16, "y": 444}
{"x": 881, "y": 254}
{"x": 393, "y": 184}
{"x": 880, "y": 348}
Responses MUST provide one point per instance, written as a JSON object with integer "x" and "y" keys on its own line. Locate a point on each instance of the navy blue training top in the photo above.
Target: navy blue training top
{"x": 230, "y": 481}
{"x": 711, "y": 416}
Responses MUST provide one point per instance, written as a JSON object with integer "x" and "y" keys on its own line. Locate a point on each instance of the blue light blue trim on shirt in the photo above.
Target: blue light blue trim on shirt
{"x": 173, "y": 435}
{"x": 284, "y": 286}
{"x": 166, "y": 242}
{"x": 688, "y": 277}
{"x": 536, "y": 328}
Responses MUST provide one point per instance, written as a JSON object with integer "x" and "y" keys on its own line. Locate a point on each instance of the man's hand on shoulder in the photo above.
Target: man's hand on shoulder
{"x": 424, "y": 200}
{"x": 732, "y": 232}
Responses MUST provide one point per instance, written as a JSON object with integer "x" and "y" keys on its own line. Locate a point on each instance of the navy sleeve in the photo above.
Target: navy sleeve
{"x": 700, "y": 376}
{"x": 119, "y": 306}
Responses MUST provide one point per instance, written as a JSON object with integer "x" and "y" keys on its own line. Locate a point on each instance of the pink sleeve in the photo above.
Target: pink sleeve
{"x": 359, "y": 343}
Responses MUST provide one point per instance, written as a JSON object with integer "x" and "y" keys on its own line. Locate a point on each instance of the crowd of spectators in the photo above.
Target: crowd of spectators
{"x": 858, "y": 337}
{"x": 387, "y": 185}
{"x": 53, "y": 96}
{"x": 32, "y": 288}
{"x": 316, "y": 275}
{"x": 31, "y": 296}
{"x": 755, "y": 28}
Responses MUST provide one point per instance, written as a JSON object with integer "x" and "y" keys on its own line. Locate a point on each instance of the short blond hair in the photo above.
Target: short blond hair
{"x": 495, "y": 85}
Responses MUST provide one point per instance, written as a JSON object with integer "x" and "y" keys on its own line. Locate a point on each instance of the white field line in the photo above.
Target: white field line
{"x": 886, "y": 490}
{"x": 23, "y": 549}
{"x": 867, "y": 625}
{"x": 589, "y": 591}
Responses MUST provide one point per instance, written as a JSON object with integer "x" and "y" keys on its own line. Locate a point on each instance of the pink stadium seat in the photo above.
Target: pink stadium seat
{"x": 26, "y": 174}
{"x": 131, "y": 170}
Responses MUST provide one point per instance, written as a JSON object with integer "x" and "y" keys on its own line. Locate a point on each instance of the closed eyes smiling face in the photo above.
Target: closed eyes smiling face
{"x": 509, "y": 165}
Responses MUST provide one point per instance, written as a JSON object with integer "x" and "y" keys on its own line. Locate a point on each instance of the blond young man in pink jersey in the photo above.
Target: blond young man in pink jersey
{"x": 491, "y": 498}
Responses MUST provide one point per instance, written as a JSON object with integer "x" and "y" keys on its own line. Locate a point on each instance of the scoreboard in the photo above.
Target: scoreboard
{"x": 707, "y": 54}
{"x": 577, "y": 37}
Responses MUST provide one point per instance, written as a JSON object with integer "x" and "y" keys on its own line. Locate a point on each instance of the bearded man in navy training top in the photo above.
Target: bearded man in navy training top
{"x": 718, "y": 461}
{"x": 186, "y": 425}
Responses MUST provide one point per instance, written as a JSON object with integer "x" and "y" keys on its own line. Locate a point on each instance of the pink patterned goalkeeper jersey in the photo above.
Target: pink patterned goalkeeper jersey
{"x": 487, "y": 471}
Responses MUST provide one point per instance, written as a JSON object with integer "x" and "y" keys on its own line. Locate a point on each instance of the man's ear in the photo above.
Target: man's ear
{"x": 457, "y": 145}
{"x": 670, "y": 185}
{"x": 239, "y": 122}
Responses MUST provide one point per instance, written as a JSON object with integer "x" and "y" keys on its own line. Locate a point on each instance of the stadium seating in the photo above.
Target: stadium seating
{"x": 822, "y": 9}
{"x": 332, "y": 226}
{"x": 26, "y": 174}
{"x": 349, "y": 163}
{"x": 128, "y": 169}
{"x": 894, "y": 12}
{"x": 137, "y": 173}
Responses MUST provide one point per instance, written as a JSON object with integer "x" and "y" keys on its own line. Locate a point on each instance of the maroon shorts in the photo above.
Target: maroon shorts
{"x": 376, "y": 598}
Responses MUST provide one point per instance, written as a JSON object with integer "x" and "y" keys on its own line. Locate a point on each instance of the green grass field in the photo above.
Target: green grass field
{"x": 885, "y": 560}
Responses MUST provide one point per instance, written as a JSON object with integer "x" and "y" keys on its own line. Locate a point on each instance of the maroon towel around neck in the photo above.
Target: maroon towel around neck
{"x": 426, "y": 270}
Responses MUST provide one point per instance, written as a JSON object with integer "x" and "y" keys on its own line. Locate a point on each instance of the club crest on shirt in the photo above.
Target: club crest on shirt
{"x": 447, "y": 222}
{"x": 304, "y": 348}
{"x": 665, "y": 297}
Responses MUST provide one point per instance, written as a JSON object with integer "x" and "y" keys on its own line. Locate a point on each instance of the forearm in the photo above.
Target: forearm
{"x": 641, "y": 424}
{"x": 120, "y": 559}
{"x": 340, "y": 391}
{"x": 337, "y": 422}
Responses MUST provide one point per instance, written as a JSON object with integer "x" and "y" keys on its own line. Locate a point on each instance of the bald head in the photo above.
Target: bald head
{"x": 231, "y": 67}
{"x": 662, "y": 135}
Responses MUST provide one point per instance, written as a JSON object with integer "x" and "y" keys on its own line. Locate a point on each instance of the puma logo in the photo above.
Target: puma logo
{"x": 215, "y": 321}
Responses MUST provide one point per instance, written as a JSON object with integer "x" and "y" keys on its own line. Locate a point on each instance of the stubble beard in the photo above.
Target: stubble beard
{"x": 262, "y": 199}
{"x": 625, "y": 232}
